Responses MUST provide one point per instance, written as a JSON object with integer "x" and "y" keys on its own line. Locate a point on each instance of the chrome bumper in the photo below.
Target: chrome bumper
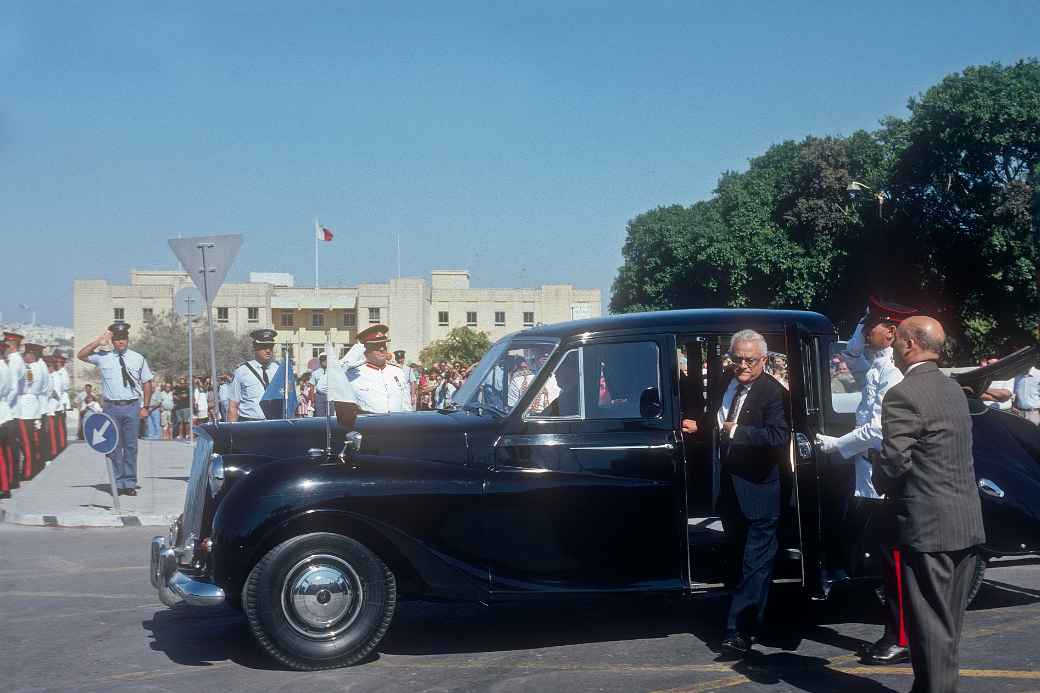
{"x": 174, "y": 586}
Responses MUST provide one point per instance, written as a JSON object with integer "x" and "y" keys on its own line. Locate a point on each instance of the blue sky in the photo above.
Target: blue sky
{"x": 514, "y": 140}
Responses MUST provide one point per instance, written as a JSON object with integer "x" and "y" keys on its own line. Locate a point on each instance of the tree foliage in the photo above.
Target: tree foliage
{"x": 946, "y": 219}
{"x": 165, "y": 345}
{"x": 462, "y": 345}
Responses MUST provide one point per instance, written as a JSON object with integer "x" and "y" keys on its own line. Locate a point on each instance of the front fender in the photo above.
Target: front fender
{"x": 421, "y": 519}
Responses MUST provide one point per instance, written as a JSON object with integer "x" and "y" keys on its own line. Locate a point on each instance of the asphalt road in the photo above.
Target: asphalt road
{"x": 77, "y": 613}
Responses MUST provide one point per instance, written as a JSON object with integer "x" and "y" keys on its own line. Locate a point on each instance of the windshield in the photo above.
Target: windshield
{"x": 502, "y": 377}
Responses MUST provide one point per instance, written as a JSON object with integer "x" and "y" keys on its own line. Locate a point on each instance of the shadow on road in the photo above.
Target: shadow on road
{"x": 202, "y": 637}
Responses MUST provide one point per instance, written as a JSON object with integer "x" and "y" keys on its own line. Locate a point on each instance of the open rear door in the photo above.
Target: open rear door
{"x": 803, "y": 465}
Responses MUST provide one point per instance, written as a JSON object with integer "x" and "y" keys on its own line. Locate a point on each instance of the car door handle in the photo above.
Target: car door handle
{"x": 805, "y": 449}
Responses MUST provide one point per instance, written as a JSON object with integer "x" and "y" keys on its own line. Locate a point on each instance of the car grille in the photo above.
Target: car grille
{"x": 195, "y": 500}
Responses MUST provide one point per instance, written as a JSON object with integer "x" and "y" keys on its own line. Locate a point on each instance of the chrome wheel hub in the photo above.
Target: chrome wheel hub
{"x": 321, "y": 596}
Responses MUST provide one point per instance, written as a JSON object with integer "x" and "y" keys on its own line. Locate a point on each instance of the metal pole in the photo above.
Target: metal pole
{"x": 112, "y": 485}
{"x": 285, "y": 381}
{"x": 191, "y": 379}
{"x": 209, "y": 319}
{"x": 317, "y": 228}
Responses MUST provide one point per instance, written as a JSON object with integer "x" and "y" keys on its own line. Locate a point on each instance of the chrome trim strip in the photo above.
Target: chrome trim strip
{"x": 990, "y": 488}
{"x": 663, "y": 446}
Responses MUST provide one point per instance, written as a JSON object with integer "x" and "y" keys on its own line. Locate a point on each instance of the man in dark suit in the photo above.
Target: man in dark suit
{"x": 753, "y": 433}
{"x": 927, "y": 473}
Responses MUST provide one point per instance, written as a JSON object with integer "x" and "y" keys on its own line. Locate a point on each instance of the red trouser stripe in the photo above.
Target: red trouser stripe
{"x": 897, "y": 560}
{"x": 5, "y": 483}
{"x": 26, "y": 449}
{"x": 62, "y": 435}
{"x": 54, "y": 438}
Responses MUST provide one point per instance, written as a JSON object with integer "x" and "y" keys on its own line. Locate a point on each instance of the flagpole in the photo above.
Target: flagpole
{"x": 316, "y": 228}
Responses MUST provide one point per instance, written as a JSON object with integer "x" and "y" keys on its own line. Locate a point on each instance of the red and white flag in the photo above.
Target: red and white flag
{"x": 323, "y": 234}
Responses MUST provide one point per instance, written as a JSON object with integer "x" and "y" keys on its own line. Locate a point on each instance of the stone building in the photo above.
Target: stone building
{"x": 417, "y": 311}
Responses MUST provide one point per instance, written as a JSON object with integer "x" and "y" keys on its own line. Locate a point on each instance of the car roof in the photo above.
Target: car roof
{"x": 723, "y": 320}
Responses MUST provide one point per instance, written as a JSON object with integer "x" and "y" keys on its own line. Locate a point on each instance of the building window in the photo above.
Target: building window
{"x": 222, "y": 314}
{"x": 442, "y": 318}
{"x": 253, "y": 314}
{"x": 147, "y": 314}
{"x": 471, "y": 318}
{"x": 317, "y": 318}
{"x": 316, "y": 349}
{"x": 528, "y": 318}
{"x": 500, "y": 318}
{"x": 118, "y": 314}
{"x": 288, "y": 320}
{"x": 373, "y": 315}
{"x": 349, "y": 318}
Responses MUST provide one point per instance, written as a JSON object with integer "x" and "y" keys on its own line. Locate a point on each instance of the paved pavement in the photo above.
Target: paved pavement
{"x": 77, "y": 613}
{"x": 73, "y": 490}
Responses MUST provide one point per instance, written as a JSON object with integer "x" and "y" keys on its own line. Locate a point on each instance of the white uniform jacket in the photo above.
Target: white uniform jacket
{"x": 61, "y": 376}
{"x": 6, "y": 385}
{"x": 35, "y": 390}
{"x": 379, "y": 390}
{"x": 879, "y": 377}
{"x": 17, "y": 368}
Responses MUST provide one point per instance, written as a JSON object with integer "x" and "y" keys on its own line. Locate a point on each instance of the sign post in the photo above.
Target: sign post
{"x": 102, "y": 434}
{"x": 183, "y": 302}
{"x": 207, "y": 260}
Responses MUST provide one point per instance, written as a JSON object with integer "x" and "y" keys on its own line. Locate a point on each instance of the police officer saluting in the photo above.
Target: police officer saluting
{"x": 252, "y": 378}
{"x": 126, "y": 385}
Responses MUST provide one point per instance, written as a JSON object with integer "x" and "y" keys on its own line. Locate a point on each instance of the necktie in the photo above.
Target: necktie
{"x": 263, "y": 374}
{"x": 734, "y": 407}
{"x": 127, "y": 380}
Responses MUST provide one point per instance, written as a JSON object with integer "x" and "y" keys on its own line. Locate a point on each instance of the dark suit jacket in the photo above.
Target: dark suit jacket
{"x": 926, "y": 469}
{"x": 758, "y": 448}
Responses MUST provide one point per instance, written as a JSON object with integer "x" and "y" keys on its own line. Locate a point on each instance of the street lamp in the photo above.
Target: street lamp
{"x": 855, "y": 187}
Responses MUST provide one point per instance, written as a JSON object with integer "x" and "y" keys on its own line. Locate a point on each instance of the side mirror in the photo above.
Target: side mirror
{"x": 650, "y": 403}
{"x": 351, "y": 445}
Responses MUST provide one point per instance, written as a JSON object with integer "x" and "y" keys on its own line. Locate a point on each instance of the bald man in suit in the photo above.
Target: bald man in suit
{"x": 927, "y": 472}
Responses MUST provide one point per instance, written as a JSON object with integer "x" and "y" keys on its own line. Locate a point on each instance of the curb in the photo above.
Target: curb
{"x": 85, "y": 519}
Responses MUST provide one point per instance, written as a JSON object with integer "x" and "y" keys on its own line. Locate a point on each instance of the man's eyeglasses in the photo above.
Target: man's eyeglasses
{"x": 745, "y": 360}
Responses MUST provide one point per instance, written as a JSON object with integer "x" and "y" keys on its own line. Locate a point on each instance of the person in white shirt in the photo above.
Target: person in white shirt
{"x": 7, "y": 437}
{"x": 252, "y": 379}
{"x": 32, "y": 398}
{"x": 871, "y": 345}
{"x": 320, "y": 381}
{"x": 376, "y": 386}
{"x": 1000, "y": 394}
{"x": 61, "y": 389}
{"x": 1027, "y": 395}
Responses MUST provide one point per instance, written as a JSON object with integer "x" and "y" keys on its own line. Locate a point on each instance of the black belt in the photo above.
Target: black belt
{"x": 122, "y": 401}
{"x": 246, "y": 418}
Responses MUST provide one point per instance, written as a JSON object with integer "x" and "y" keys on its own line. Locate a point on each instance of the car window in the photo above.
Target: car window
{"x": 604, "y": 381}
{"x": 502, "y": 377}
{"x": 846, "y": 383}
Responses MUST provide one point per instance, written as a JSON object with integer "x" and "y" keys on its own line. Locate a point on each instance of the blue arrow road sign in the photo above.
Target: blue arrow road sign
{"x": 101, "y": 432}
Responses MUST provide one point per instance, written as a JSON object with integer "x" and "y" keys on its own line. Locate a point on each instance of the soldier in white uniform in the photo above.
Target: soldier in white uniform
{"x": 252, "y": 378}
{"x": 49, "y": 405}
{"x": 32, "y": 398}
{"x": 12, "y": 429}
{"x": 377, "y": 385}
{"x": 875, "y": 334}
{"x": 126, "y": 385}
{"x": 6, "y": 437}
{"x": 61, "y": 388}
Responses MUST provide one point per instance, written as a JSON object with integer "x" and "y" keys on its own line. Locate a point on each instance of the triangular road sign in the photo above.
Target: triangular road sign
{"x": 220, "y": 252}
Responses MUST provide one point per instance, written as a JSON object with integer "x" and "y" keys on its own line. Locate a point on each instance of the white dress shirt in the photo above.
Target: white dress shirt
{"x": 247, "y": 388}
{"x": 112, "y": 387}
{"x": 728, "y": 403}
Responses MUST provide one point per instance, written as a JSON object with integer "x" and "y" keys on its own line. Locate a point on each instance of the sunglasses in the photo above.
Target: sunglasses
{"x": 745, "y": 360}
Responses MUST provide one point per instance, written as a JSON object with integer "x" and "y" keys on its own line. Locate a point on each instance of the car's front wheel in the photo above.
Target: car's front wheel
{"x": 319, "y": 601}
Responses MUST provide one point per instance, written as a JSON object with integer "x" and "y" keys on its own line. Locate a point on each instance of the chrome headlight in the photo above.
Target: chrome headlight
{"x": 216, "y": 474}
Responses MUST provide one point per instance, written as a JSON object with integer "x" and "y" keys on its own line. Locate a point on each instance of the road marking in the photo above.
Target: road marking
{"x": 34, "y": 619}
{"x": 73, "y": 570}
{"x": 69, "y": 595}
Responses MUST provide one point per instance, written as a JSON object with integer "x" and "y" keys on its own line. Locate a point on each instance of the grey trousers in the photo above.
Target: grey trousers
{"x": 124, "y": 457}
{"x": 937, "y": 586}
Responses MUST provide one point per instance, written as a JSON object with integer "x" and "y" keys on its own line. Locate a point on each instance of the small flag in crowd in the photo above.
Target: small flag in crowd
{"x": 324, "y": 234}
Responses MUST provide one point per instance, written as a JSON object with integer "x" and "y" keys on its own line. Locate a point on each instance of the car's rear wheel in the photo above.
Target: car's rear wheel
{"x": 319, "y": 601}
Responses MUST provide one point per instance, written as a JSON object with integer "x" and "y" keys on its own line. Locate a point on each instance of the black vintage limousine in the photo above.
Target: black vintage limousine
{"x": 315, "y": 532}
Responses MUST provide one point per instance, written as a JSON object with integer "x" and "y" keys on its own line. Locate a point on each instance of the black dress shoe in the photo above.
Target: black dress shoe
{"x": 129, "y": 492}
{"x": 886, "y": 653}
{"x": 735, "y": 644}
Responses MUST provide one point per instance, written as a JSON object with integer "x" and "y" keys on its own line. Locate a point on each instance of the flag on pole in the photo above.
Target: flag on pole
{"x": 323, "y": 234}
{"x": 280, "y": 396}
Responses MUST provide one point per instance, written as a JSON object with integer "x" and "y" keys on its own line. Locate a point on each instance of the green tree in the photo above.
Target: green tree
{"x": 462, "y": 344}
{"x": 165, "y": 345}
{"x": 962, "y": 184}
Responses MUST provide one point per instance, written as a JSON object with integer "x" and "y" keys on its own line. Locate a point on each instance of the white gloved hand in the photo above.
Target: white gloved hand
{"x": 827, "y": 444}
{"x": 857, "y": 341}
